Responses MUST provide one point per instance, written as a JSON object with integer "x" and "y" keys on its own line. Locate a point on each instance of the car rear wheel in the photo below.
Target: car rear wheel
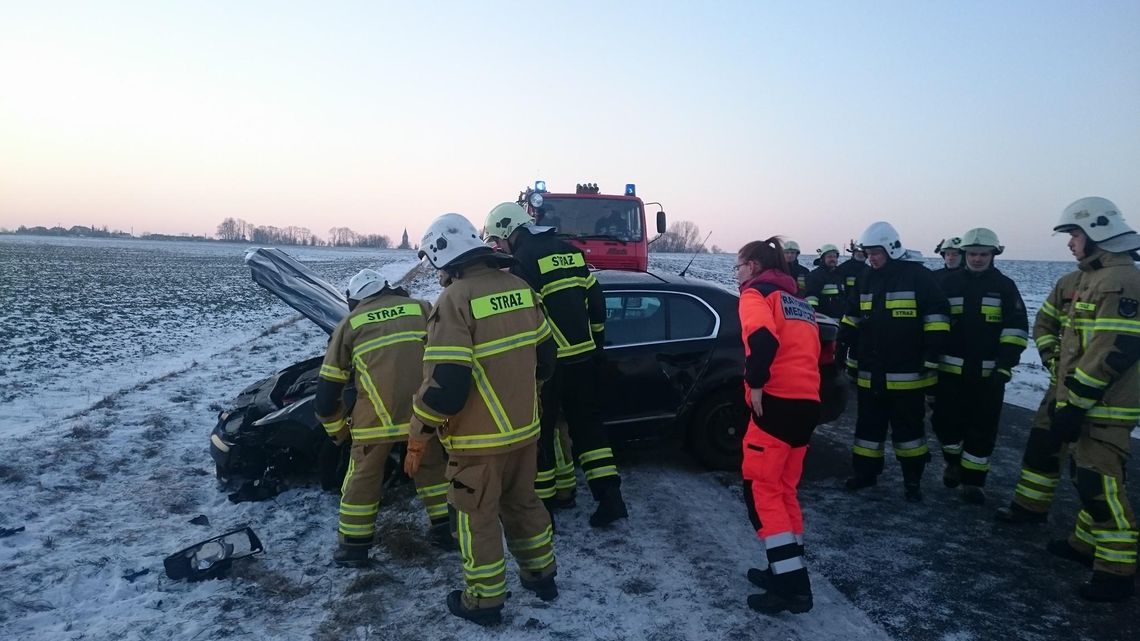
{"x": 717, "y": 429}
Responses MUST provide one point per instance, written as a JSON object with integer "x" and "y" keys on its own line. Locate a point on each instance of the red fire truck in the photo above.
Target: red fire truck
{"x": 609, "y": 229}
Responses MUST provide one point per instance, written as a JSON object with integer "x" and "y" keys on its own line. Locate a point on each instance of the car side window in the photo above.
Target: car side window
{"x": 634, "y": 318}
{"x": 688, "y": 318}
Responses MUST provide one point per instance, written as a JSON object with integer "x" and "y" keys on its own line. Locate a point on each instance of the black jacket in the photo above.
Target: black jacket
{"x": 988, "y": 323}
{"x": 799, "y": 272}
{"x": 570, "y": 294}
{"x": 942, "y": 273}
{"x": 896, "y": 324}
{"x": 826, "y": 291}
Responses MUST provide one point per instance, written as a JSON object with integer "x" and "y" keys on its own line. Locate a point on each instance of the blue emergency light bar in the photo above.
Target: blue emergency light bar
{"x": 540, "y": 186}
{"x": 630, "y": 189}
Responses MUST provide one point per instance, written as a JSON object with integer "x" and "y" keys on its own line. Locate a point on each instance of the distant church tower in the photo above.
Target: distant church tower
{"x": 404, "y": 244}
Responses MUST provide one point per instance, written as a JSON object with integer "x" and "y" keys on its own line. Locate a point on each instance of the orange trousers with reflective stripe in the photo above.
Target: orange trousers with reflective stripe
{"x": 771, "y": 472}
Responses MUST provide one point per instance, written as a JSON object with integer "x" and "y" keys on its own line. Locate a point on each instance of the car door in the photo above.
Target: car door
{"x": 657, "y": 344}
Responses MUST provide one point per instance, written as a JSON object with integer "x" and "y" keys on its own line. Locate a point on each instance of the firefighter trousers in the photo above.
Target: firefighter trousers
{"x": 904, "y": 414}
{"x": 1041, "y": 462}
{"x": 364, "y": 483}
{"x": 966, "y": 417}
{"x": 572, "y": 392}
{"x": 490, "y": 495}
{"x": 1106, "y": 526}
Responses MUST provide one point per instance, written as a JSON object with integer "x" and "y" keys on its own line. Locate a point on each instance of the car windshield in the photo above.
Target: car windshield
{"x": 583, "y": 217}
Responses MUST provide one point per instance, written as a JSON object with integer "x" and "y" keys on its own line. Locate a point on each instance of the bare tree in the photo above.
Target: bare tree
{"x": 683, "y": 236}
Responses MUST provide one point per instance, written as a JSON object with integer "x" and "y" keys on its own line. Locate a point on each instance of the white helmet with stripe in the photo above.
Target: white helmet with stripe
{"x": 883, "y": 234}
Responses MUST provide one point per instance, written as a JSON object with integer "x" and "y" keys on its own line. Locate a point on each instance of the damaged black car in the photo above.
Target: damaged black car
{"x": 673, "y": 371}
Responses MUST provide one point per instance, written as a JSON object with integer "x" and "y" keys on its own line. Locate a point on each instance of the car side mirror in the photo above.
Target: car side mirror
{"x": 661, "y": 222}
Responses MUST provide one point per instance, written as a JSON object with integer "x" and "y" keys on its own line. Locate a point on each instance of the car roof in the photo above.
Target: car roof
{"x": 614, "y": 278}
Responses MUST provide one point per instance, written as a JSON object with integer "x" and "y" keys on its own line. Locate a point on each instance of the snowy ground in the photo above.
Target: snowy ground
{"x": 109, "y": 396}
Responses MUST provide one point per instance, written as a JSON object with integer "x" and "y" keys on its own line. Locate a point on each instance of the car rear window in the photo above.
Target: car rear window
{"x": 689, "y": 318}
{"x": 641, "y": 317}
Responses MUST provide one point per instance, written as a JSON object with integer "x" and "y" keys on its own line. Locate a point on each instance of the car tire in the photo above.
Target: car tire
{"x": 717, "y": 429}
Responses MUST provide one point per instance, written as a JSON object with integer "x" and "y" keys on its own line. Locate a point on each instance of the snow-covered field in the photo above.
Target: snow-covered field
{"x": 116, "y": 358}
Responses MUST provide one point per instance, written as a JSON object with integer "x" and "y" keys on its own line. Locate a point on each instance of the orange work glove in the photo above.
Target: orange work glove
{"x": 414, "y": 456}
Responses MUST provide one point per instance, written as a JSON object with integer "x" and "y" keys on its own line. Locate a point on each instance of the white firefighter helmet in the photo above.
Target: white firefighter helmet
{"x": 981, "y": 237}
{"x": 1102, "y": 221}
{"x": 792, "y": 246}
{"x": 953, "y": 242}
{"x": 451, "y": 240}
{"x": 504, "y": 219}
{"x": 883, "y": 234}
{"x": 366, "y": 282}
{"x": 828, "y": 247}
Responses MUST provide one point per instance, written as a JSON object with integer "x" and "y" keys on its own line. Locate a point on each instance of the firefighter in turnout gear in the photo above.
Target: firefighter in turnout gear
{"x": 488, "y": 348}
{"x": 826, "y": 285}
{"x": 781, "y": 374}
{"x": 988, "y": 332}
{"x": 853, "y": 267}
{"x": 1098, "y": 393}
{"x": 380, "y": 339}
{"x": 798, "y": 271}
{"x": 895, "y": 327}
{"x": 950, "y": 249}
{"x": 1041, "y": 462}
{"x": 576, "y": 310}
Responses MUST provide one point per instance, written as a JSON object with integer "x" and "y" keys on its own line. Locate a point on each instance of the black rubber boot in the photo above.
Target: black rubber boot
{"x": 543, "y": 588}
{"x": 440, "y": 536}
{"x": 1017, "y": 515}
{"x": 760, "y": 578}
{"x": 352, "y": 556}
{"x": 952, "y": 475}
{"x": 482, "y": 616}
{"x": 973, "y": 495}
{"x": 913, "y": 492}
{"x": 788, "y": 592}
{"x": 856, "y": 483}
{"x": 1060, "y": 548}
{"x": 1106, "y": 588}
{"x": 560, "y": 502}
{"x": 611, "y": 507}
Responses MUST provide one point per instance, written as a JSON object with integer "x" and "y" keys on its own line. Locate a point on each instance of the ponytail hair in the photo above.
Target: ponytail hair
{"x": 769, "y": 254}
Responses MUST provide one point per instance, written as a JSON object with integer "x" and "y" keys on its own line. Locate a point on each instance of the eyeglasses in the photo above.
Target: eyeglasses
{"x": 737, "y": 267}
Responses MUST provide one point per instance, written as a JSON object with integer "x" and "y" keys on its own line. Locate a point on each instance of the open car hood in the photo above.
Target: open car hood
{"x": 300, "y": 287}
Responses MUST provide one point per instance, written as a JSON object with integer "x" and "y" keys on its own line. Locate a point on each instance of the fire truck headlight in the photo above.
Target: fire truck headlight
{"x": 536, "y": 200}
{"x": 630, "y": 189}
{"x": 540, "y": 185}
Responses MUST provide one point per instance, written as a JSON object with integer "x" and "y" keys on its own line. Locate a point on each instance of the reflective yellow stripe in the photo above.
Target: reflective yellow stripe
{"x": 437, "y": 510}
{"x": 847, "y": 320}
{"x": 1048, "y": 309}
{"x": 1034, "y": 477}
{"x": 332, "y": 427}
{"x": 599, "y": 472}
{"x": 1044, "y": 341}
{"x": 429, "y": 491}
{"x": 1112, "y": 497}
{"x": 1084, "y": 307}
{"x": 1030, "y": 493}
{"x": 1014, "y": 340}
{"x": 908, "y": 303}
{"x": 373, "y": 394}
{"x": 542, "y": 538}
{"x": 863, "y": 451}
{"x": 565, "y": 283}
{"x": 538, "y": 563}
{"x": 553, "y": 262}
{"x": 333, "y": 373}
{"x": 361, "y": 434}
{"x": 1115, "y": 536}
{"x": 1087, "y": 379}
{"x": 484, "y": 571}
{"x": 385, "y": 314}
{"x": 597, "y": 327}
{"x": 453, "y": 353}
{"x": 385, "y": 341}
{"x": 594, "y": 455}
{"x": 505, "y": 344}
{"x": 477, "y": 441}
{"x": 356, "y": 529}
{"x": 813, "y": 301}
{"x": 1116, "y": 556}
{"x": 1125, "y": 414}
{"x": 1117, "y": 325}
{"x": 501, "y": 303}
{"x": 428, "y": 417}
{"x": 355, "y": 509}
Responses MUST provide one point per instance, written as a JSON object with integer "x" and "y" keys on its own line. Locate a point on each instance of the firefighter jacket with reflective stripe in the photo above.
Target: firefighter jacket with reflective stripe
{"x": 377, "y": 345}
{"x": 826, "y": 291}
{"x": 571, "y": 296}
{"x": 896, "y": 324}
{"x": 800, "y": 274}
{"x": 988, "y": 324}
{"x": 1100, "y": 342}
{"x": 781, "y": 338}
{"x": 850, "y": 270}
{"x": 1051, "y": 319}
{"x": 942, "y": 273}
{"x": 482, "y": 349}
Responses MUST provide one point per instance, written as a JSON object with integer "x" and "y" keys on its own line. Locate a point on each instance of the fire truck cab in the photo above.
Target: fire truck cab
{"x": 609, "y": 229}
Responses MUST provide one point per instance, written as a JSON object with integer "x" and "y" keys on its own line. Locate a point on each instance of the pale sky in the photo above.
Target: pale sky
{"x": 806, "y": 119}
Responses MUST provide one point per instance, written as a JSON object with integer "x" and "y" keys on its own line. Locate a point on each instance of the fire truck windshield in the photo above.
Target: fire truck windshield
{"x": 593, "y": 217}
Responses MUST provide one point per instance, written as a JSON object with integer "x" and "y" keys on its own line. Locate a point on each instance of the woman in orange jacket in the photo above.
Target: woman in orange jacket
{"x": 781, "y": 380}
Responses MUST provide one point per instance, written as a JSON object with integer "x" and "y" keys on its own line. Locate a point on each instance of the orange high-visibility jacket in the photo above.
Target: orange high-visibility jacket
{"x": 781, "y": 338}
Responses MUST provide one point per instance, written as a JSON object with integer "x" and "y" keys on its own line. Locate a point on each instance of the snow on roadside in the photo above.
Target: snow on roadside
{"x": 111, "y": 492}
